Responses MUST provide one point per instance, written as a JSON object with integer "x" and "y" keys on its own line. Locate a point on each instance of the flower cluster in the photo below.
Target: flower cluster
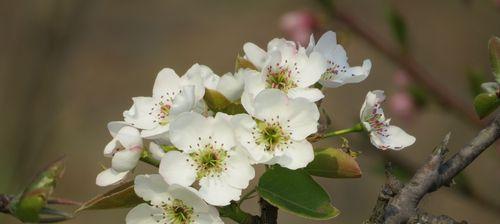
{"x": 206, "y": 154}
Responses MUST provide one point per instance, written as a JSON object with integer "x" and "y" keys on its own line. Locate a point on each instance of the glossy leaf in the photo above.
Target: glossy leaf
{"x": 295, "y": 191}
{"x": 241, "y": 62}
{"x": 219, "y": 103}
{"x": 28, "y": 205}
{"x": 122, "y": 196}
{"x": 333, "y": 163}
{"x": 494, "y": 47}
{"x": 486, "y": 103}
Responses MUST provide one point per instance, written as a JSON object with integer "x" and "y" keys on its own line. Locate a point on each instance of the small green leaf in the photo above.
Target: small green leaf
{"x": 486, "y": 103}
{"x": 28, "y": 205}
{"x": 494, "y": 47}
{"x": 333, "y": 163}
{"x": 122, "y": 196}
{"x": 398, "y": 26}
{"x": 219, "y": 103}
{"x": 241, "y": 62}
{"x": 296, "y": 192}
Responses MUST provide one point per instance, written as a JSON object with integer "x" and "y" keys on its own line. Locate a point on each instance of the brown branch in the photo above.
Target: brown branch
{"x": 405, "y": 61}
{"x": 436, "y": 172}
{"x": 269, "y": 213}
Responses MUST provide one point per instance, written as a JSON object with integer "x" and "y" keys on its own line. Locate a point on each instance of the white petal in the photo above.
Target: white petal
{"x": 160, "y": 131}
{"x": 126, "y": 160}
{"x": 189, "y": 196}
{"x": 301, "y": 118}
{"x": 215, "y": 191}
{"x": 353, "y": 74}
{"x": 311, "y": 94}
{"x": 167, "y": 81}
{"x": 326, "y": 43}
{"x": 373, "y": 98}
{"x": 139, "y": 114}
{"x": 111, "y": 147}
{"x": 200, "y": 76}
{"x": 231, "y": 86}
{"x": 109, "y": 177}
{"x": 115, "y": 126}
{"x": 129, "y": 137}
{"x": 222, "y": 131}
{"x": 297, "y": 155}
{"x": 311, "y": 68}
{"x": 254, "y": 54}
{"x": 269, "y": 103}
{"x": 184, "y": 101}
{"x": 156, "y": 151}
{"x": 206, "y": 218}
{"x": 187, "y": 129}
{"x": 143, "y": 214}
{"x": 176, "y": 168}
{"x": 254, "y": 84}
{"x": 239, "y": 171}
{"x": 395, "y": 138}
{"x": 151, "y": 188}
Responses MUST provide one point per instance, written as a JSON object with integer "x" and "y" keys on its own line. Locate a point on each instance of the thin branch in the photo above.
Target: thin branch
{"x": 405, "y": 61}
{"x": 269, "y": 213}
{"x": 437, "y": 172}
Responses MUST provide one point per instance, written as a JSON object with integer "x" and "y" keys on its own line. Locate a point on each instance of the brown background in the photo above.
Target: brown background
{"x": 69, "y": 67}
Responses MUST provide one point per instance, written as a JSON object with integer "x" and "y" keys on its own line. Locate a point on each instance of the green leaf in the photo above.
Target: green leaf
{"x": 475, "y": 79}
{"x": 333, "y": 163}
{"x": 486, "y": 103}
{"x": 241, "y": 62}
{"x": 296, "y": 192}
{"x": 219, "y": 103}
{"x": 398, "y": 26}
{"x": 122, "y": 196}
{"x": 28, "y": 205}
{"x": 494, "y": 47}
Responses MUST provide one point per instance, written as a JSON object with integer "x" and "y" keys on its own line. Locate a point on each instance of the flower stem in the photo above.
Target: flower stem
{"x": 147, "y": 157}
{"x": 248, "y": 195}
{"x": 356, "y": 128}
{"x": 234, "y": 212}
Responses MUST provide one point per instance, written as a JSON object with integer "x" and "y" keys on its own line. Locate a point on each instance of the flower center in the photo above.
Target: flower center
{"x": 272, "y": 135}
{"x": 333, "y": 70}
{"x": 161, "y": 117}
{"x": 178, "y": 213}
{"x": 280, "y": 79}
{"x": 210, "y": 161}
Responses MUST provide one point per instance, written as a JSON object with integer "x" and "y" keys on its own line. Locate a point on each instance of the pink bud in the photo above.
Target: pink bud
{"x": 402, "y": 105}
{"x": 401, "y": 79}
{"x": 298, "y": 25}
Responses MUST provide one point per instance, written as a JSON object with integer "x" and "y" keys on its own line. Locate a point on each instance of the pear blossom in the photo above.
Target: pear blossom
{"x": 277, "y": 130}
{"x": 382, "y": 134}
{"x": 169, "y": 204}
{"x": 125, "y": 150}
{"x": 284, "y": 66}
{"x": 338, "y": 71}
{"x": 207, "y": 155}
{"x": 172, "y": 95}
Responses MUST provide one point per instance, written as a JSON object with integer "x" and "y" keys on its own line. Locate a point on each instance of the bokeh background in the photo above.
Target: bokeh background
{"x": 67, "y": 67}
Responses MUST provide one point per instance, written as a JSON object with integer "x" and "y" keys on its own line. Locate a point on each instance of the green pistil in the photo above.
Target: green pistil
{"x": 210, "y": 161}
{"x": 164, "y": 111}
{"x": 271, "y": 135}
{"x": 179, "y": 213}
{"x": 280, "y": 80}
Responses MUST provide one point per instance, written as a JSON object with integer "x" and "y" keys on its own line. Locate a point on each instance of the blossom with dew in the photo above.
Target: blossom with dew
{"x": 284, "y": 66}
{"x": 125, "y": 150}
{"x": 338, "y": 71}
{"x": 277, "y": 130}
{"x": 207, "y": 155}
{"x": 172, "y": 95}
{"x": 382, "y": 134}
{"x": 169, "y": 204}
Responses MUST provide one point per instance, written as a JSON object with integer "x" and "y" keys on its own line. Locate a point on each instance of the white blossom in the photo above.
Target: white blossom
{"x": 382, "y": 134}
{"x": 207, "y": 155}
{"x": 338, "y": 71}
{"x": 172, "y": 95}
{"x": 284, "y": 66}
{"x": 169, "y": 204}
{"x": 276, "y": 131}
{"x": 125, "y": 150}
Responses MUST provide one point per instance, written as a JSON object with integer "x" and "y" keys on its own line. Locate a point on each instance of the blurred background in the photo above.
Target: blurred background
{"x": 67, "y": 67}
